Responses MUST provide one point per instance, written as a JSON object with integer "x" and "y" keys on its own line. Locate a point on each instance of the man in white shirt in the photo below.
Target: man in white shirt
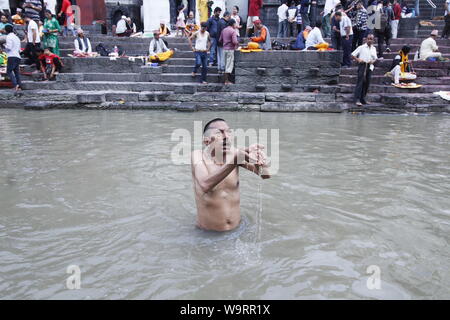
{"x": 429, "y": 48}
{"x": 12, "y": 48}
{"x": 121, "y": 29}
{"x": 346, "y": 32}
{"x": 282, "y": 19}
{"x": 330, "y": 5}
{"x": 33, "y": 42}
{"x": 314, "y": 37}
{"x": 83, "y": 47}
{"x": 50, "y": 5}
{"x": 365, "y": 55}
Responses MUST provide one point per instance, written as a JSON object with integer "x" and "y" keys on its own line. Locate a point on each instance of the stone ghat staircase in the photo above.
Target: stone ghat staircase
{"x": 103, "y": 83}
{"x": 434, "y": 76}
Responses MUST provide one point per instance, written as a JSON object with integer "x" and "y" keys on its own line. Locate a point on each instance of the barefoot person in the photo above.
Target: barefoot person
{"x": 215, "y": 171}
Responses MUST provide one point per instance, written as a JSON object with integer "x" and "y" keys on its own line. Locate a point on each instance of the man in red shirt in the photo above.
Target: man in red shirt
{"x": 50, "y": 63}
{"x": 397, "y": 15}
{"x": 253, "y": 13}
{"x": 66, "y": 13}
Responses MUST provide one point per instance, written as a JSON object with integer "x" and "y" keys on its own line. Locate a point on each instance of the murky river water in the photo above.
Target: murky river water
{"x": 98, "y": 190}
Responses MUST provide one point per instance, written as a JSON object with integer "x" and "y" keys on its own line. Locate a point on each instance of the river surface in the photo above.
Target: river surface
{"x": 99, "y": 190}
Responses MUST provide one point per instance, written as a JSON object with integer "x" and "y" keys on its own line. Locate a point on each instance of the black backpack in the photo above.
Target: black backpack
{"x": 101, "y": 50}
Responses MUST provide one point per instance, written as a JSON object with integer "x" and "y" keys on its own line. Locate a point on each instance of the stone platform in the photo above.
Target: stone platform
{"x": 276, "y": 81}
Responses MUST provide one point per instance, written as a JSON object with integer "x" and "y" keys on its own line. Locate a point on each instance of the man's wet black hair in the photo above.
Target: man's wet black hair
{"x": 210, "y": 123}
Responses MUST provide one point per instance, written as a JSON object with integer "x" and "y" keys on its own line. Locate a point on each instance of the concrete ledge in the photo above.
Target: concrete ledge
{"x": 70, "y": 77}
{"x": 301, "y": 107}
{"x": 91, "y": 98}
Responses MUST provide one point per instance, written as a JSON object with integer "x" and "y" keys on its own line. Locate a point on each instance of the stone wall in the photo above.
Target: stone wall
{"x": 284, "y": 71}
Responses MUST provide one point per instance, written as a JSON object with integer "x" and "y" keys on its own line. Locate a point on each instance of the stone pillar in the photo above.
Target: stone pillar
{"x": 269, "y": 15}
{"x": 154, "y": 11}
{"x": 91, "y": 11}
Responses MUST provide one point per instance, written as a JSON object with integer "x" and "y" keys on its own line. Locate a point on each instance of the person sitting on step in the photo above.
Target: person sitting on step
{"x": 158, "y": 49}
{"x": 262, "y": 35}
{"x": 50, "y": 63}
{"x": 429, "y": 49}
{"x": 400, "y": 68}
{"x": 83, "y": 46}
{"x": 163, "y": 29}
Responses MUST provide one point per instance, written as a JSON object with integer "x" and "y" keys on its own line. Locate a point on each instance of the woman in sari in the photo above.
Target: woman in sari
{"x": 51, "y": 30}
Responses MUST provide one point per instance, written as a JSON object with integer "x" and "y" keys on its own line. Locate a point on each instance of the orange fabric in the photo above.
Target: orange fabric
{"x": 253, "y": 45}
{"x": 262, "y": 37}
{"x": 305, "y": 34}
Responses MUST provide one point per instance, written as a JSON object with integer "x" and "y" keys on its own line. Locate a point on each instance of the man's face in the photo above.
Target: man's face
{"x": 191, "y": 15}
{"x": 258, "y": 26}
{"x": 219, "y": 137}
{"x": 47, "y": 52}
{"x": 156, "y": 35}
{"x": 203, "y": 29}
{"x": 227, "y": 18}
{"x": 4, "y": 19}
{"x": 217, "y": 13}
{"x": 369, "y": 40}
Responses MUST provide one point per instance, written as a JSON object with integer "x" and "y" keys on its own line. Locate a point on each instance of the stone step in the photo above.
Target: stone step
{"x": 392, "y": 98}
{"x": 420, "y": 72}
{"x": 185, "y": 69}
{"x": 379, "y": 88}
{"x": 176, "y": 87}
{"x": 181, "y": 61}
{"x": 187, "y": 78}
{"x": 381, "y": 79}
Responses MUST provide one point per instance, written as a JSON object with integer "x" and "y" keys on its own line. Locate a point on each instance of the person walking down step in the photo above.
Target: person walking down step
{"x": 201, "y": 48}
{"x": 365, "y": 55}
{"x": 12, "y": 48}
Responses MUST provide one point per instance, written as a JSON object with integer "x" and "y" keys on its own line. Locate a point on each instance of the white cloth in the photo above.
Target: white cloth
{"x": 121, "y": 26}
{"x": 394, "y": 27}
{"x": 32, "y": 25}
{"x": 345, "y": 22}
{"x": 365, "y": 53}
{"x": 447, "y": 4}
{"x": 329, "y": 6}
{"x": 51, "y": 5}
{"x": 314, "y": 37}
{"x": 12, "y": 45}
{"x": 160, "y": 47}
{"x": 282, "y": 12}
{"x": 201, "y": 41}
{"x": 427, "y": 48}
{"x": 83, "y": 46}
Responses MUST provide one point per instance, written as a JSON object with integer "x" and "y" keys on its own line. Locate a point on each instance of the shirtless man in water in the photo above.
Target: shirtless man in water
{"x": 215, "y": 172}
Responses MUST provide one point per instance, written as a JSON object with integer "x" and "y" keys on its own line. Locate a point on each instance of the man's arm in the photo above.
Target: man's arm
{"x": 34, "y": 35}
{"x": 207, "y": 181}
{"x": 151, "y": 48}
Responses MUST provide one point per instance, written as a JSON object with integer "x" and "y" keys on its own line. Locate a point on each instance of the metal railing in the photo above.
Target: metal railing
{"x": 433, "y": 8}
